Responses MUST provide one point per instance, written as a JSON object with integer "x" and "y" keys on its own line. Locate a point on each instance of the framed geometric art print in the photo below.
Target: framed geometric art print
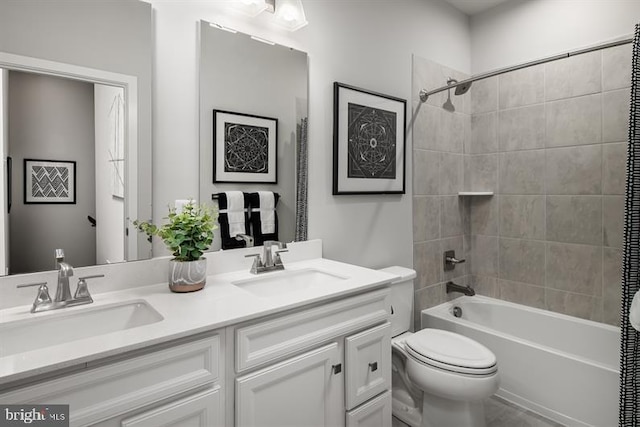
{"x": 245, "y": 148}
{"x": 49, "y": 181}
{"x": 368, "y": 142}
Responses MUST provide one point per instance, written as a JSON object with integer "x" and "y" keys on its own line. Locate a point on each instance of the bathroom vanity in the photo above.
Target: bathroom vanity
{"x": 306, "y": 346}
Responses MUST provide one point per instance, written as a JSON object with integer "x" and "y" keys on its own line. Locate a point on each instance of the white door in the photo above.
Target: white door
{"x": 5, "y": 179}
{"x": 306, "y": 390}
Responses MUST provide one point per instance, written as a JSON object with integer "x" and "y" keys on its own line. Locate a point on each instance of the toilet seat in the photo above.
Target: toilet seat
{"x": 450, "y": 351}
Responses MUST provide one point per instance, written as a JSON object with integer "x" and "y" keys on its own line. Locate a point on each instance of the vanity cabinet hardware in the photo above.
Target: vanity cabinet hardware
{"x": 373, "y": 366}
{"x": 336, "y": 368}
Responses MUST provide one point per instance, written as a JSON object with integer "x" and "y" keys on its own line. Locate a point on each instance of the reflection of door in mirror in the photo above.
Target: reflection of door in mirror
{"x": 247, "y": 77}
{"x": 54, "y": 122}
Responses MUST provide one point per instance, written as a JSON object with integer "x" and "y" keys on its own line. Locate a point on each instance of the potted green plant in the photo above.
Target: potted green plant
{"x": 187, "y": 234}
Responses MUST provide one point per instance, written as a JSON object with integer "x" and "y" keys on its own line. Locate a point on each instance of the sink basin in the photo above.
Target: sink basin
{"x": 287, "y": 281}
{"x": 44, "y": 331}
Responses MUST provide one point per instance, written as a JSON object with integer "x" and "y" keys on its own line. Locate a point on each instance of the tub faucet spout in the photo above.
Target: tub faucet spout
{"x": 467, "y": 290}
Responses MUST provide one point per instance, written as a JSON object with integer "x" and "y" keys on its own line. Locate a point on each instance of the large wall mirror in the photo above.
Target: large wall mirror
{"x": 75, "y": 131}
{"x": 248, "y": 77}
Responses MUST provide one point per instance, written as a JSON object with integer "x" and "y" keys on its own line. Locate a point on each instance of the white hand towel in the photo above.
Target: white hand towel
{"x": 634, "y": 312}
{"x": 267, "y": 211}
{"x": 235, "y": 212}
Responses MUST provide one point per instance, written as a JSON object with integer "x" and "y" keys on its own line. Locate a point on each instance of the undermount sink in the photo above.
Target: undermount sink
{"x": 287, "y": 281}
{"x": 40, "y": 332}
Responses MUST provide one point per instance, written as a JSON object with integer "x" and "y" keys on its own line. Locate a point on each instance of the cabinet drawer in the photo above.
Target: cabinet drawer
{"x": 103, "y": 392}
{"x": 201, "y": 410}
{"x": 375, "y": 413}
{"x": 368, "y": 364}
{"x": 266, "y": 341}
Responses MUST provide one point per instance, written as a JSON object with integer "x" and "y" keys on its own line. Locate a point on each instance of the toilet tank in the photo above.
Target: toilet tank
{"x": 401, "y": 299}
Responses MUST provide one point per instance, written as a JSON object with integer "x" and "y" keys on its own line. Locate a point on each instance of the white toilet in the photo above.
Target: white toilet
{"x": 440, "y": 378}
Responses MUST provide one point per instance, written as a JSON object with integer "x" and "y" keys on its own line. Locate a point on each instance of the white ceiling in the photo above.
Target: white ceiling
{"x": 471, "y": 7}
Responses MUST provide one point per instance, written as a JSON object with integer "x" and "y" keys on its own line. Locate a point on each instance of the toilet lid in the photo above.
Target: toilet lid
{"x": 451, "y": 351}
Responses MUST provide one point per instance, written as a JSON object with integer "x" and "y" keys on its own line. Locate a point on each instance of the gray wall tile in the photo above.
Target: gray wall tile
{"x": 484, "y": 255}
{"x": 521, "y": 293}
{"x": 481, "y": 172}
{"x": 613, "y": 221}
{"x": 426, "y": 127}
{"x": 521, "y": 128}
{"x": 574, "y": 76}
{"x": 611, "y": 286}
{"x": 574, "y": 121}
{"x": 453, "y": 216}
{"x": 426, "y": 218}
{"x": 615, "y": 115}
{"x": 614, "y": 168}
{"x": 427, "y": 261}
{"x": 574, "y": 219}
{"x": 522, "y": 172}
{"x": 483, "y": 215}
{"x": 451, "y": 173}
{"x": 426, "y": 167}
{"x": 522, "y": 216}
{"x": 485, "y": 285}
{"x": 574, "y": 170}
{"x": 616, "y": 67}
{"x": 484, "y": 95}
{"x": 426, "y": 298}
{"x": 522, "y": 87}
{"x": 578, "y": 305}
{"x": 574, "y": 268}
{"x": 484, "y": 137}
{"x": 522, "y": 260}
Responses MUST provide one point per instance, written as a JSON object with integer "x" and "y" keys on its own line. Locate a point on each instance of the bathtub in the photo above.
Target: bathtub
{"x": 561, "y": 367}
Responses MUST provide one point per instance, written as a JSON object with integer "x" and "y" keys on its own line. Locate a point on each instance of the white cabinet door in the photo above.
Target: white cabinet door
{"x": 368, "y": 360}
{"x": 306, "y": 390}
{"x": 199, "y": 410}
{"x": 374, "y": 413}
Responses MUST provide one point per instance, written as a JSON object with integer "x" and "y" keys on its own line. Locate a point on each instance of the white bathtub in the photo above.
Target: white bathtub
{"x": 562, "y": 367}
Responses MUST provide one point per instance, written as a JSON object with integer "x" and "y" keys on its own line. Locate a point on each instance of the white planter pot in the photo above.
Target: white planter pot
{"x": 187, "y": 276}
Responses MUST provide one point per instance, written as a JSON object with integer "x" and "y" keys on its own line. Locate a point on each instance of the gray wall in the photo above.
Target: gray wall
{"x": 242, "y": 75}
{"x": 550, "y": 141}
{"x": 51, "y": 118}
{"x": 111, "y": 35}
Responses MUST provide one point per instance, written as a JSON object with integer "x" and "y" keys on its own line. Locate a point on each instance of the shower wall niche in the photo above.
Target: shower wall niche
{"x": 550, "y": 142}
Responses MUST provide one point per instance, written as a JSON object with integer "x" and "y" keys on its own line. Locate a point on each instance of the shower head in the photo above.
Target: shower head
{"x": 463, "y": 88}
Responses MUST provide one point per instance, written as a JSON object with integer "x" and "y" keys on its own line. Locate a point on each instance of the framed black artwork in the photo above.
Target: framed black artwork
{"x": 49, "y": 181}
{"x": 245, "y": 148}
{"x": 368, "y": 142}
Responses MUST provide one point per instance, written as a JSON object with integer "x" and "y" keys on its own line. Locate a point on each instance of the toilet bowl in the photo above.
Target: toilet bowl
{"x": 439, "y": 378}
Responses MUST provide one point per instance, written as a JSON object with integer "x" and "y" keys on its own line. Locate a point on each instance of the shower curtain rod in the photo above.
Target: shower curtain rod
{"x": 424, "y": 94}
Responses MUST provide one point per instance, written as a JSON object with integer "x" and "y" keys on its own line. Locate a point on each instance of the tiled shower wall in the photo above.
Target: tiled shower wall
{"x": 550, "y": 142}
{"x": 439, "y": 224}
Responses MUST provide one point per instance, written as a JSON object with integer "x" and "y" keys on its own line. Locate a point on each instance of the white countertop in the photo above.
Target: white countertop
{"x": 218, "y": 305}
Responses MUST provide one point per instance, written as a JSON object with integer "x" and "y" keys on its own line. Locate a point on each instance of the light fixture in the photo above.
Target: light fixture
{"x": 250, "y": 7}
{"x": 289, "y": 14}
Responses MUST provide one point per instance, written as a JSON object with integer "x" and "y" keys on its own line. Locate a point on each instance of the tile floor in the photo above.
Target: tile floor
{"x": 500, "y": 413}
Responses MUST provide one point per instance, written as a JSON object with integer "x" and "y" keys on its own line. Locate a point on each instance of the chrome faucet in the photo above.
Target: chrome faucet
{"x": 63, "y": 296}
{"x": 63, "y": 292}
{"x": 467, "y": 290}
{"x": 269, "y": 260}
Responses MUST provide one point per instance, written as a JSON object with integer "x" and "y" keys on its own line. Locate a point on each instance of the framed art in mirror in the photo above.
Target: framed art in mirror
{"x": 244, "y": 148}
{"x": 49, "y": 181}
{"x": 368, "y": 142}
